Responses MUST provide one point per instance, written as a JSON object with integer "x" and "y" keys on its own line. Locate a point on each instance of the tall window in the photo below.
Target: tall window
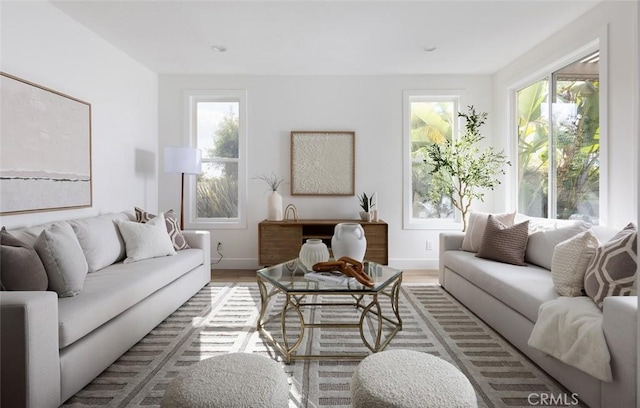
{"x": 218, "y": 129}
{"x": 428, "y": 118}
{"x": 559, "y": 143}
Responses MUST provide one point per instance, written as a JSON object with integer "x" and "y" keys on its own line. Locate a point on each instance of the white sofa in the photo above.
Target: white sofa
{"x": 52, "y": 347}
{"x": 507, "y": 298}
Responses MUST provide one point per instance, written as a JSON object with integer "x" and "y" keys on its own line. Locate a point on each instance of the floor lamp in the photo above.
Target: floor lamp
{"x": 184, "y": 160}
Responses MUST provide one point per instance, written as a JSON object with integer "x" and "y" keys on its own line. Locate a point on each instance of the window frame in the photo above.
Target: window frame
{"x": 409, "y": 96}
{"x": 547, "y": 73}
{"x": 191, "y": 99}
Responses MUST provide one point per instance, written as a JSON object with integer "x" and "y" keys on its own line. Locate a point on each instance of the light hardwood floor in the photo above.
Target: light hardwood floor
{"x": 425, "y": 276}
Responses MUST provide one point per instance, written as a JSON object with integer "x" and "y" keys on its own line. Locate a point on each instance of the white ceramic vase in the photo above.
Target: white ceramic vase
{"x": 349, "y": 240}
{"x": 312, "y": 252}
{"x": 274, "y": 207}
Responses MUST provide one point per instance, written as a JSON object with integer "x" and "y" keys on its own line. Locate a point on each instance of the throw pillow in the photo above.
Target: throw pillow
{"x": 100, "y": 239}
{"x": 63, "y": 259}
{"x": 144, "y": 241}
{"x": 20, "y": 265}
{"x": 476, "y": 226}
{"x": 541, "y": 244}
{"x": 173, "y": 229}
{"x": 612, "y": 271}
{"x": 504, "y": 243}
{"x": 570, "y": 261}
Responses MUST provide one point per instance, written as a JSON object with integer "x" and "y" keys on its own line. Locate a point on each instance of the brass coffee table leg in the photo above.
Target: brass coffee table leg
{"x": 283, "y": 321}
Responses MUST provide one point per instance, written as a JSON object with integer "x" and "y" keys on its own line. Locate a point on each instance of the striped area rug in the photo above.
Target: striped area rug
{"x": 221, "y": 318}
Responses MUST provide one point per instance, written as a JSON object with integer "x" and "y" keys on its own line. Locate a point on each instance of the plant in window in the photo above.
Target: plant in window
{"x": 460, "y": 170}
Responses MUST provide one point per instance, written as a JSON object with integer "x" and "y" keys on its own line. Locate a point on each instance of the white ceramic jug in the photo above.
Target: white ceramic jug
{"x": 349, "y": 240}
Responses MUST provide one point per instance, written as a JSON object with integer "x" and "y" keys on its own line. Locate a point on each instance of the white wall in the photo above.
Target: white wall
{"x": 41, "y": 44}
{"x": 369, "y": 105}
{"x": 618, "y": 19}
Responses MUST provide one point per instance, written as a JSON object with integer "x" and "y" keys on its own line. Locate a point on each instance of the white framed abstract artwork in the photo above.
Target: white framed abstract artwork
{"x": 45, "y": 148}
{"x": 323, "y": 163}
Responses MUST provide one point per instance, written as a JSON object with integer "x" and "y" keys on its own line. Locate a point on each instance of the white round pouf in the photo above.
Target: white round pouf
{"x": 409, "y": 379}
{"x": 230, "y": 381}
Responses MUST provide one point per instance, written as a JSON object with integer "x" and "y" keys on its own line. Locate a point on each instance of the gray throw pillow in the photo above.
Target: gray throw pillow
{"x": 20, "y": 265}
{"x": 542, "y": 243}
{"x": 612, "y": 271}
{"x": 63, "y": 259}
{"x": 173, "y": 229}
{"x": 504, "y": 243}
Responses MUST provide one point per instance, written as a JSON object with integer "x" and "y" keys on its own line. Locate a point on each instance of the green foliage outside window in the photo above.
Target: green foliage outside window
{"x": 431, "y": 122}
{"x": 575, "y": 168}
{"x": 217, "y": 194}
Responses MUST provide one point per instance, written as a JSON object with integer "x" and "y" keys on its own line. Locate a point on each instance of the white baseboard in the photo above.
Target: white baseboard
{"x": 252, "y": 263}
{"x": 413, "y": 263}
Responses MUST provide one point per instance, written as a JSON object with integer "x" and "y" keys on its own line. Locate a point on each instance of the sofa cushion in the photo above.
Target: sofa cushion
{"x": 173, "y": 229}
{"x": 476, "y": 226}
{"x": 144, "y": 241}
{"x": 112, "y": 290}
{"x": 542, "y": 243}
{"x": 504, "y": 243}
{"x": 522, "y": 289}
{"x": 63, "y": 259}
{"x": 570, "y": 261}
{"x": 612, "y": 271}
{"x": 20, "y": 265}
{"x": 100, "y": 239}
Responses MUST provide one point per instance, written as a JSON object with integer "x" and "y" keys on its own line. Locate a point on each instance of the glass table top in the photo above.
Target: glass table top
{"x": 295, "y": 276}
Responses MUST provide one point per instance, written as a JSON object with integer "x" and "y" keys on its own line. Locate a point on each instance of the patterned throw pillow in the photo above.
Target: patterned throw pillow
{"x": 504, "y": 243}
{"x": 570, "y": 261}
{"x": 177, "y": 238}
{"x": 612, "y": 271}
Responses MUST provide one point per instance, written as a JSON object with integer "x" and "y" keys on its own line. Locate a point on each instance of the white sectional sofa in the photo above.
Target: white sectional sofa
{"x": 507, "y": 297}
{"x": 52, "y": 347}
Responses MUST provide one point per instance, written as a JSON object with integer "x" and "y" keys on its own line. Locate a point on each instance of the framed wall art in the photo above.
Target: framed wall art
{"x": 45, "y": 148}
{"x": 323, "y": 163}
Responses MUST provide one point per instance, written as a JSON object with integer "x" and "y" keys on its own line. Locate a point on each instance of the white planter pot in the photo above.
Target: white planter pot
{"x": 312, "y": 252}
{"x": 274, "y": 207}
{"x": 349, "y": 240}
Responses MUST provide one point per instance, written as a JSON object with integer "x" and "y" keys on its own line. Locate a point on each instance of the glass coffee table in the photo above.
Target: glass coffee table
{"x": 295, "y": 297}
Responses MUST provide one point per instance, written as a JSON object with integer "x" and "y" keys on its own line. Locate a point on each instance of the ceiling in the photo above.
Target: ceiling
{"x": 325, "y": 37}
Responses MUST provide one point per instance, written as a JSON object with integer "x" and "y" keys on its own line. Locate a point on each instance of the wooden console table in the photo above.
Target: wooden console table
{"x": 280, "y": 241}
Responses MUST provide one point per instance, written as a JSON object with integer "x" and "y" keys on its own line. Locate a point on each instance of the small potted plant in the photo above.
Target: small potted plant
{"x": 367, "y": 204}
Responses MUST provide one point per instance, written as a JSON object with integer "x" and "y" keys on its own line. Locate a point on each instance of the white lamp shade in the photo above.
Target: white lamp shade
{"x": 185, "y": 160}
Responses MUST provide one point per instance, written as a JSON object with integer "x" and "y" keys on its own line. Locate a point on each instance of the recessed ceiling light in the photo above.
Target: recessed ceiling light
{"x": 218, "y": 48}
{"x": 430, "y": 48}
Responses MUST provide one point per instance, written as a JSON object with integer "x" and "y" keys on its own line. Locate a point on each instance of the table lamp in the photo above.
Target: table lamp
{"x": 184, "y": 160}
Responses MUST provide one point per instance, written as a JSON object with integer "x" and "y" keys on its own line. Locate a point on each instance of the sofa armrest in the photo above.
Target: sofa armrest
{"x": 29, "y": 355}
{"x": 200, "y": 239}
{"x": 619, "y": 323}
{"x": 449, "y": 241}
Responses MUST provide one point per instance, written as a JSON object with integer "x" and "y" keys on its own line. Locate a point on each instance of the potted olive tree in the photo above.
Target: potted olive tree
{"x": 460, "y": 170}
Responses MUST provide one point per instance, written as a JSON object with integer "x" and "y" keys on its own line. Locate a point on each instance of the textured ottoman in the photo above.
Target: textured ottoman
{"x": 409, "y": 379}
{"x": 230, "y": 381}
